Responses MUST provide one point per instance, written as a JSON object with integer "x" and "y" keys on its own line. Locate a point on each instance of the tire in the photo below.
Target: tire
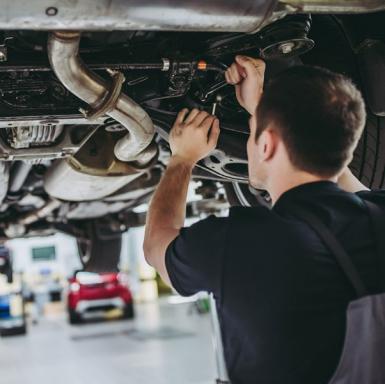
{"x": 73, "y": 317}
{"x": 241, "y": 195}
{"x": 128, "y": 312}
{"x": 100, "y": 254}
{"x": 336, "y": 49}
{"x": 17, "y": 331}
{"x": 368, "y": 163}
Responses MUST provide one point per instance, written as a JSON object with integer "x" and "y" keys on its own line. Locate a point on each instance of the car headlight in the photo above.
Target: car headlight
{"x": 123, "y": 279}
{"x": 74, "y": 287}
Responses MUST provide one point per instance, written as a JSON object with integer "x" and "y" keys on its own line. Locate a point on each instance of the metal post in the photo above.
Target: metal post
{"x": 222, "y": 377}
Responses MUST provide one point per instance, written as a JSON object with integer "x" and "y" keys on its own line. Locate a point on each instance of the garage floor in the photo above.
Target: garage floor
{"x": 164, "y": 344}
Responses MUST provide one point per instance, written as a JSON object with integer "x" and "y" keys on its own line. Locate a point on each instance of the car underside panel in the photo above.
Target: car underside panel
{"x": 85, "y": 117}
{"x": 166, "y": 15}
{"x": 157, "y": 15}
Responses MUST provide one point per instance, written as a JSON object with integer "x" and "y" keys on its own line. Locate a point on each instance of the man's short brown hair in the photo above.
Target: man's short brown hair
{"x": 319, "y": 115}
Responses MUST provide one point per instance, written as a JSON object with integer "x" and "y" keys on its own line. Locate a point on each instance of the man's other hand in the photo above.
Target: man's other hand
{"x": 247, "y": 74}
{"x": 194, "y": 135}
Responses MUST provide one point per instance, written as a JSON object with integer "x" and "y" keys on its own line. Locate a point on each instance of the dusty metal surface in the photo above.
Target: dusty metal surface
{"x": 165, "y": 15}
{"x": 171, "y": 15}
{"x": 334, "y": 6}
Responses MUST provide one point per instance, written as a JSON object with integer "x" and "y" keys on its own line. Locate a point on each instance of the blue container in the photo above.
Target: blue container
{"x": 5, "y": 307}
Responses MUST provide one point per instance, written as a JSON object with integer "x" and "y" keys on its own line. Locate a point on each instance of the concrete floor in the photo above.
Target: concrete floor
{"x": 163, "y": 345}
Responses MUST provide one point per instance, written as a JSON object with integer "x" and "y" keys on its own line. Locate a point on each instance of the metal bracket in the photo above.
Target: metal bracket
{"x": 66, "y": 147}
{"x": 4, "y": 49}
{"x": 109, "y": 101}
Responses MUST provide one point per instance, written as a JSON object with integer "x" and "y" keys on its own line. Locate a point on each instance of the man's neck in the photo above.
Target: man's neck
{"x": 277, "y": 186}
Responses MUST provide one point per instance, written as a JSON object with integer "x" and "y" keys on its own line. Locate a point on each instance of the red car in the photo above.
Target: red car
{"x": 93, "y": 294}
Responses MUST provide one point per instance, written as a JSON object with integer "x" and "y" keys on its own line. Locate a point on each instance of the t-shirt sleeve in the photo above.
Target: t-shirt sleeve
{"x": 194, "y": 260}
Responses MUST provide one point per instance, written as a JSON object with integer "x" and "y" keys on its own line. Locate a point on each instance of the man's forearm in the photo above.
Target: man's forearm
{"x": 168, "y": 206}
{"x": 193, "y": 136}
{"x": 167, "y": 210}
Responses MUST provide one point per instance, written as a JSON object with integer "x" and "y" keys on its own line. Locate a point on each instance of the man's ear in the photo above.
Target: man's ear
{"x": 267, "y": 144}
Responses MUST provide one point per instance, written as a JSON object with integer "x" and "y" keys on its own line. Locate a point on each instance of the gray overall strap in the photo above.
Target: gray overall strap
{"x": 377, "y": 217}
{"x": 343, "y": 259}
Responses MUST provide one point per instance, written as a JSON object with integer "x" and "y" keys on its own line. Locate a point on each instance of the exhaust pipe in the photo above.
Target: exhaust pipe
{"x": 4, "y": 180}
{"x": 63, "y": 52}
{"x": 18, "y": 228}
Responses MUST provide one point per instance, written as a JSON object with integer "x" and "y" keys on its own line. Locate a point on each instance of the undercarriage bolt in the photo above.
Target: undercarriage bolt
{"x": 166, "y": 64}
{"x": 286, "y": 48}
{"x": 83, "y": 112}
{"x": 111, "y": 72}
{"x": 218, "y": 99}
{"x": 51, "y": 11}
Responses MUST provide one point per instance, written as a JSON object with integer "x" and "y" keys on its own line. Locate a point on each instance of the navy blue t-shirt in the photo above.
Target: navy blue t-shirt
{"x": 281, "y": 297}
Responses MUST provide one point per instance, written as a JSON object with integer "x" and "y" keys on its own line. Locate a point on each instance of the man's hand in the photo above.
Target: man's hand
{"x": 194, "y": 135}
{"x": 247, "y": 74}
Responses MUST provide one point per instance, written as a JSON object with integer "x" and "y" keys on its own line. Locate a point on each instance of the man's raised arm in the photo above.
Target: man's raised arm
{"x": 193, "y": 136}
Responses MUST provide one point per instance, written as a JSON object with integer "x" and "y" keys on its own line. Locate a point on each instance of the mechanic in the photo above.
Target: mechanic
{"x": 282, "y": 297}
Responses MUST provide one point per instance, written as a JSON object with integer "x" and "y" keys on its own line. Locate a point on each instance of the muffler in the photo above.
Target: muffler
{"x": 102, "y": 97}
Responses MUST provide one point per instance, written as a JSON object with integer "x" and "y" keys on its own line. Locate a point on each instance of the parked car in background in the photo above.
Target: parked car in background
{"x": 93, "y": 295}
{"x": 12, "y": 315}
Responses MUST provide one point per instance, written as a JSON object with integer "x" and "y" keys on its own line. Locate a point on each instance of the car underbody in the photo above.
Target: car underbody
{"x": 85, "y": 116}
